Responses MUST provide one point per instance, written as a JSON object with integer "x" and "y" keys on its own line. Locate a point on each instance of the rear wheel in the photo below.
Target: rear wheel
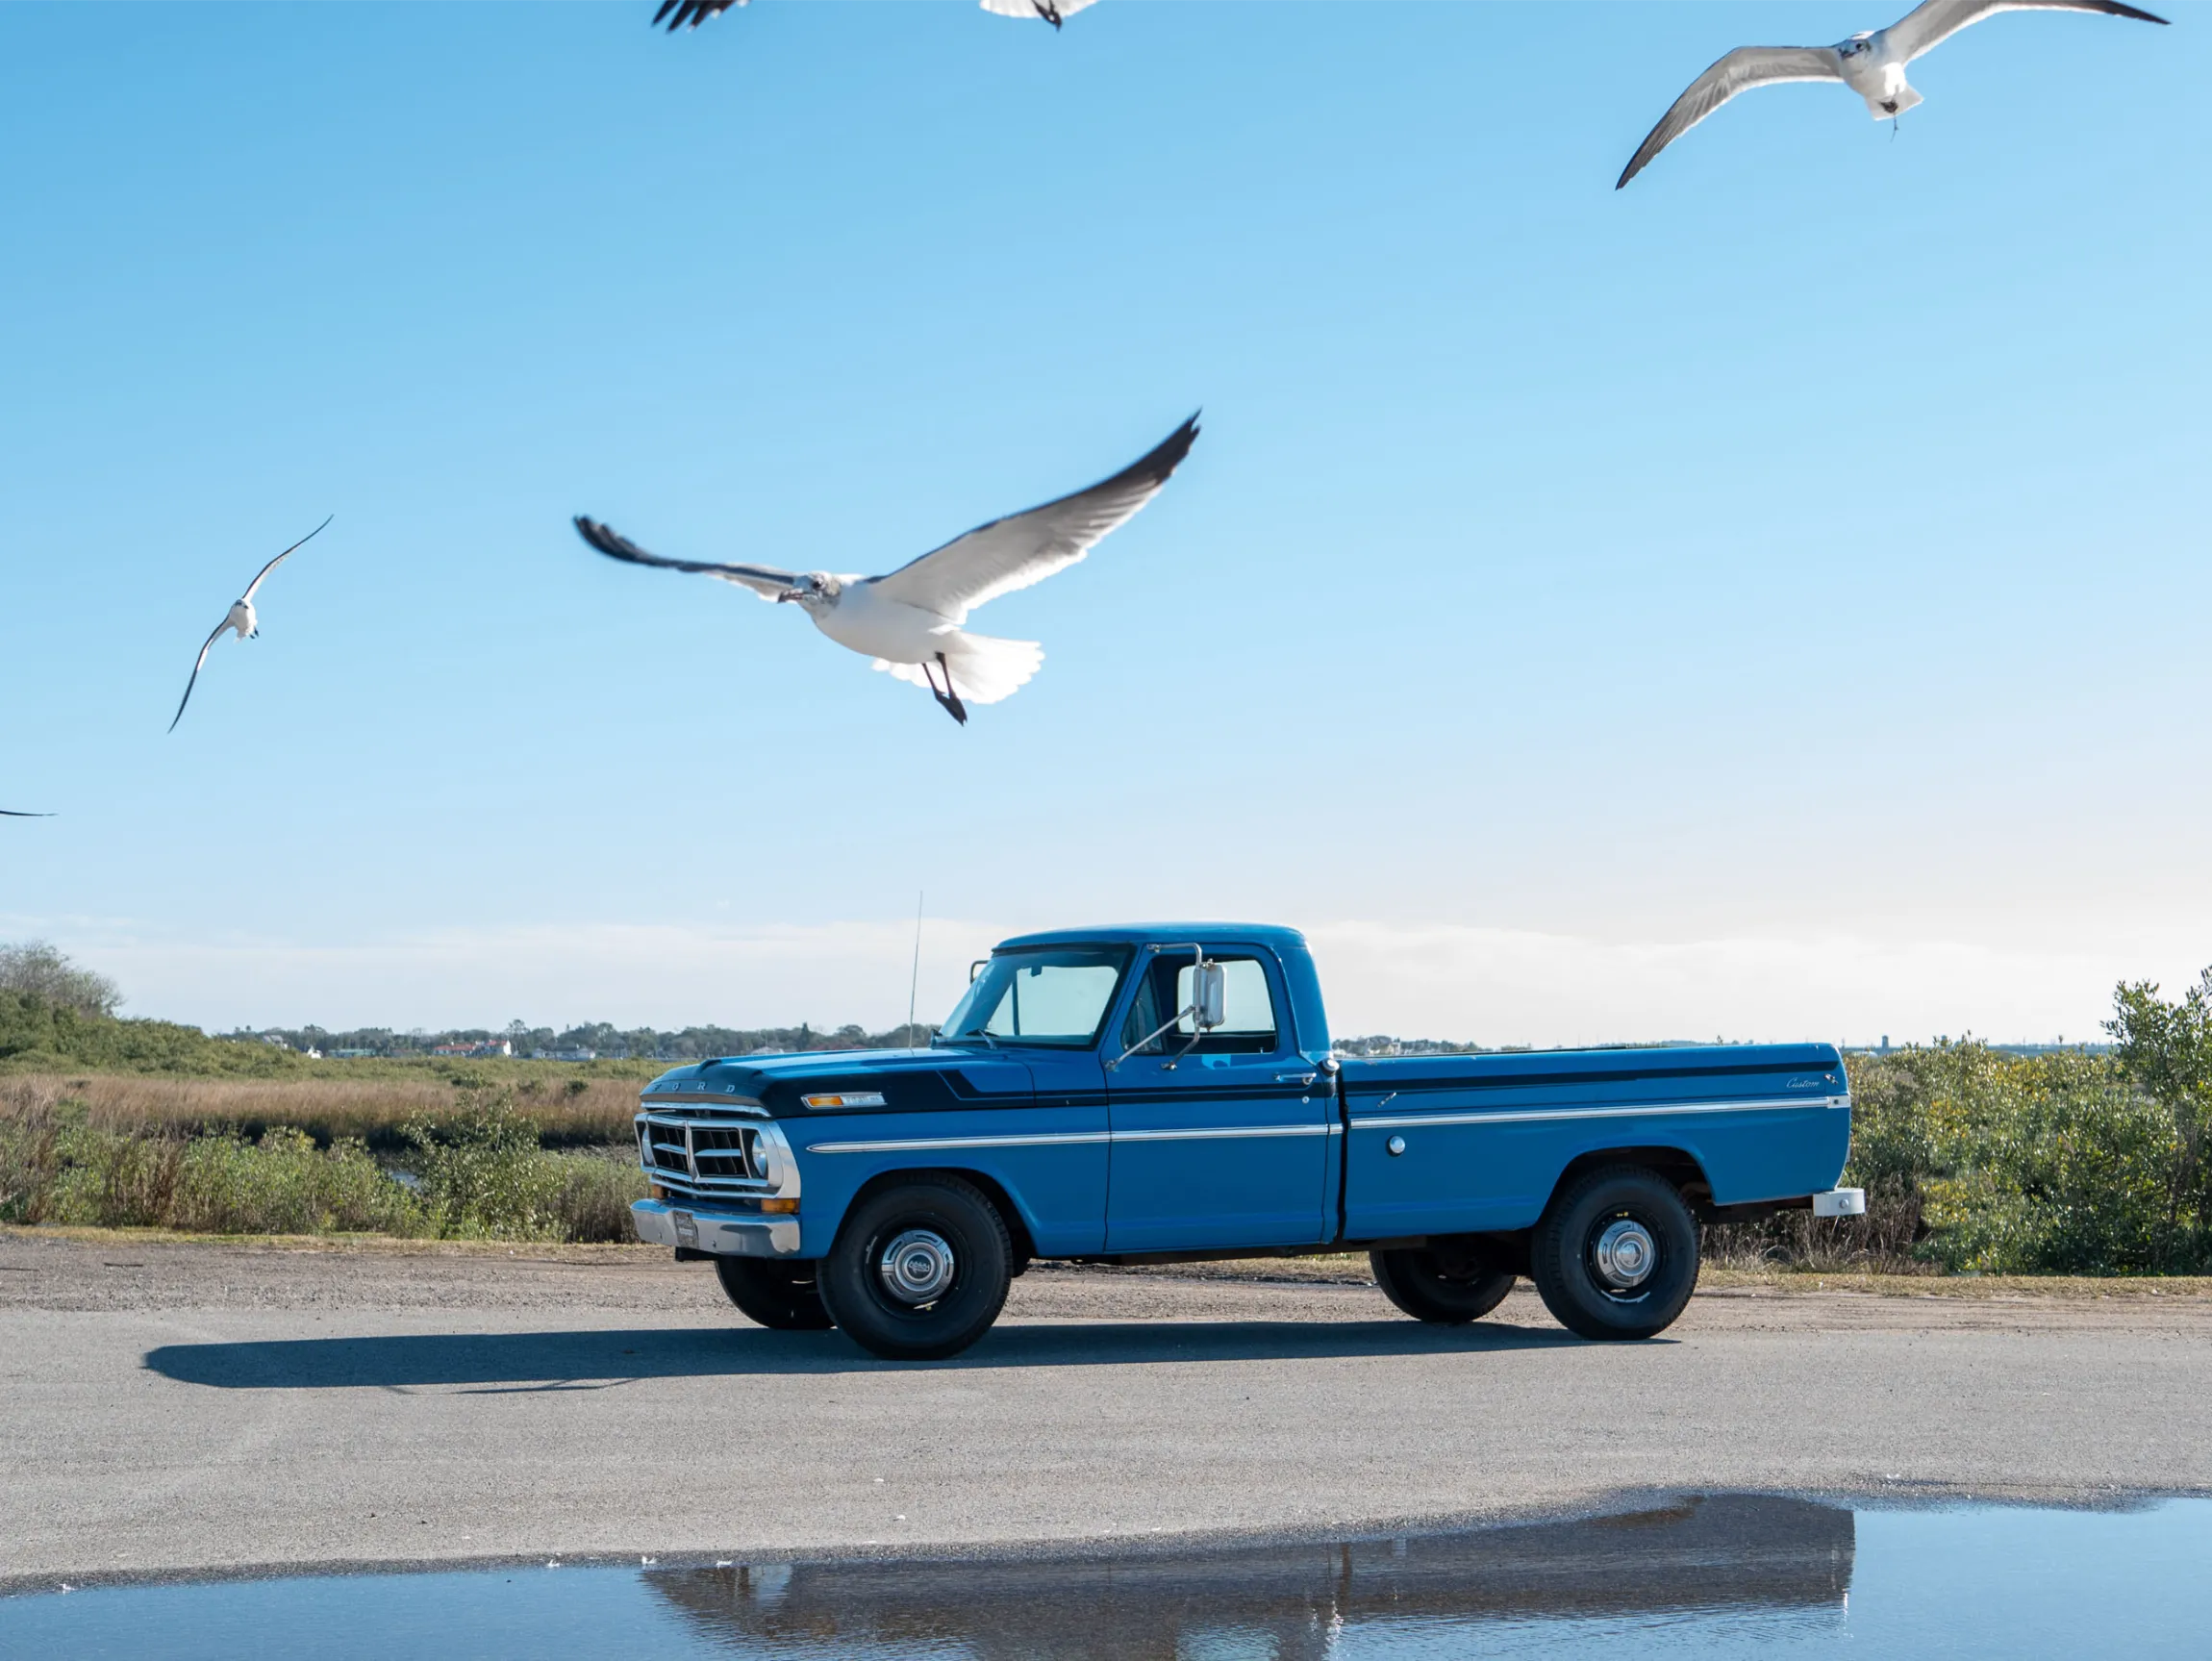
{"x": 919, "y": 1271}
{"x": 1614, "y": 1254}
{"x": 782, "y": 1296}
{"x": 1447, "y": 1286}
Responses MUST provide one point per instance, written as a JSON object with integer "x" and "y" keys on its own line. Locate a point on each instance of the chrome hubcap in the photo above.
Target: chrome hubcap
{"x": 1625, "y": 1254}
{"x": 917, "y": 1266}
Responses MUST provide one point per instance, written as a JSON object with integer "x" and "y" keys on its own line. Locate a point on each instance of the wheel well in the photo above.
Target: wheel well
{"x": 1671, "y": 1163}
{"x": 1017, "y": 1231}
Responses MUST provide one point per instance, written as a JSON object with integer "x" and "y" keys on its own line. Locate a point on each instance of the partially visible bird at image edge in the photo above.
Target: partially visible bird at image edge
{"x": 909, "y": 621}
{"x": 691, "y": 13}
{"x": 240, "y": 618}
{"x": 1872, "y": 64}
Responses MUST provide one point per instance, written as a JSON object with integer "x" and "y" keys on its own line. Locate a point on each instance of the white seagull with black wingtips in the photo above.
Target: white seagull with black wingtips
{"x": 241, "y": 617}
{"x": 1872, "y": 65}
{"x": 910, "y": 620}
{"x": 691, "y": 13}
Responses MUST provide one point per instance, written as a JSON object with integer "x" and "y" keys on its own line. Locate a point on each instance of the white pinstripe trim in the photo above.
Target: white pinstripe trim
{"x": 1477, "y": 1116}
{"x": 1070, "y": 1138}
{"x": 1220, "y": 1132}
{"x": 932, "y": 1143}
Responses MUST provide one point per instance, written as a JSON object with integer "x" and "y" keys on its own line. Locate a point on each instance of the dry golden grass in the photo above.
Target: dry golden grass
{"x": 567, "y": 1113}
{"x": 378, "y": 1245}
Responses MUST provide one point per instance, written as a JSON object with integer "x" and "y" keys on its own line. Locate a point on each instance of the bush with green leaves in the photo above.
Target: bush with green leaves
{"x": 283, "y": 1184}
{"x": 482, "y": 1174}
{"x": 1975, "y": 1159}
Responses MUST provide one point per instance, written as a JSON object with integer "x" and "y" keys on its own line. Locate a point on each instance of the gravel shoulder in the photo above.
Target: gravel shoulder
{"x": 192, "y": 1407}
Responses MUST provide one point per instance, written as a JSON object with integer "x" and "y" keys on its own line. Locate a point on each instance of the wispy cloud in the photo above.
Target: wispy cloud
{"x": 1492, "y": 986}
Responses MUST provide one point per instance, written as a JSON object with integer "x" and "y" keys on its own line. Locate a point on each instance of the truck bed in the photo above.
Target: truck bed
{"x": 1452, "y": 1143}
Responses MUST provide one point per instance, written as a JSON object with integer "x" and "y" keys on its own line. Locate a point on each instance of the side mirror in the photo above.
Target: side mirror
{"x": 1209, "y": 994}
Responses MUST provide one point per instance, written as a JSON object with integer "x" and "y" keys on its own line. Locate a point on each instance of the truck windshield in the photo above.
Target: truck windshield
{"x": 1053, "y": 996}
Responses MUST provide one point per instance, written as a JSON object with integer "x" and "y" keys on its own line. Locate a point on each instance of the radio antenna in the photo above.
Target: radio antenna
{"x": 914, "y": 982}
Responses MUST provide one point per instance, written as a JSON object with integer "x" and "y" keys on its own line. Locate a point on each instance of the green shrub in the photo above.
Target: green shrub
{"x": 2050, "y": 1165}
{"x": 283, "y": 1184}
{"x": 483, "y": 1175}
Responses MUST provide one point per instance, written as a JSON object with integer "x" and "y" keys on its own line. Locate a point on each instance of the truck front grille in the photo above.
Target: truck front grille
{"x": 703, "y": 1152}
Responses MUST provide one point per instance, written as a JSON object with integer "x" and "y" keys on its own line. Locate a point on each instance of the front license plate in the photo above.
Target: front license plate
{"x": 686, "y": 1228}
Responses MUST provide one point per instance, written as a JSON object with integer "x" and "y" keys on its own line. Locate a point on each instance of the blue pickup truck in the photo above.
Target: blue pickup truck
{"x": 1160, "y": 1094}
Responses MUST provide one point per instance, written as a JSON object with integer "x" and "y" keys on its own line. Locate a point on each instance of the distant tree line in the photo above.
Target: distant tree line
{"x": 600, "y": 1037}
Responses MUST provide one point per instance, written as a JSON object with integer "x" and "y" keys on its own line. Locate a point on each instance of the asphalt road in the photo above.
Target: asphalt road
{"x": 217, "y": 1409}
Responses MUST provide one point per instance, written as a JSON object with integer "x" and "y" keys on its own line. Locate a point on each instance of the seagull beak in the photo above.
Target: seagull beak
{"x": 788, "y": 595}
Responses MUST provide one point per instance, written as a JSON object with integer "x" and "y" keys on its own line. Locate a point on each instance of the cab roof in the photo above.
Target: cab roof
{"x": 1272, "y": 935}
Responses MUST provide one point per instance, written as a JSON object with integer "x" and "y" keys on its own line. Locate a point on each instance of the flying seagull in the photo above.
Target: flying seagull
{"x": 909, "y": 621}
{"x": 1872, "y": 65}
{"x": 691, "y": 13}
{"x": 241, "y": 617}
{"x": 11, "y": 814}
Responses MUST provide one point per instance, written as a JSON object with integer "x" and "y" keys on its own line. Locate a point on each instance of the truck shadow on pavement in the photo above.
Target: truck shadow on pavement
{"x": 526, "y": 1361}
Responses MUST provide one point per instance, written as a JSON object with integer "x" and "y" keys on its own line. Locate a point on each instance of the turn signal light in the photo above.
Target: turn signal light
{"x": 780, "y": 1207}
{"x": 848, "y": 1098}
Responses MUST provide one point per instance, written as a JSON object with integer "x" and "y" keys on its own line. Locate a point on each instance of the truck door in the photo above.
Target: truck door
{"x": 1218, "y": 1143}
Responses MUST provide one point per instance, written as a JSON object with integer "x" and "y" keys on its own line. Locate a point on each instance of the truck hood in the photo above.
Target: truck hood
{"x": 848, "y": 1081}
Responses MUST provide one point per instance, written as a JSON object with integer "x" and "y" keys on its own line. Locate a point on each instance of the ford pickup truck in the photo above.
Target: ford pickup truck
{"x": 1169, "y": 1094}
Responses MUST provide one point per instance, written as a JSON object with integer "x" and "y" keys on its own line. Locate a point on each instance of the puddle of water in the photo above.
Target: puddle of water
{"x": 1720, "y": 1576}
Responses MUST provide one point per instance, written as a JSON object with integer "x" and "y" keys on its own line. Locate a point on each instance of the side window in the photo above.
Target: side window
{"x": 1249, "y": 1026}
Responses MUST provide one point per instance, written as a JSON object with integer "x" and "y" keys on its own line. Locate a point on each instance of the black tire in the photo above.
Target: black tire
{"x": 1448, "y": 1286}
{"x": 1570, "y": 1260}
{"x": 781, "y": 1295}
{"x": 934, "y": 1227}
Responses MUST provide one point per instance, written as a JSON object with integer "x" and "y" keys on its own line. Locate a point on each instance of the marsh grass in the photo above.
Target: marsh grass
{"x": 568, "y": 1110}
{"x": 480, "y": 1170}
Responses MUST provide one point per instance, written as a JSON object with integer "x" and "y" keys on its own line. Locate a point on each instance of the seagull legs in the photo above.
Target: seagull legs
{"x": 1049, "y": 11}
{"x": 948, "y": 699}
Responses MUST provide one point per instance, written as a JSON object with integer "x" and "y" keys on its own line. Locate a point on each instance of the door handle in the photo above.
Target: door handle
{"x": 1295, "y": 1077}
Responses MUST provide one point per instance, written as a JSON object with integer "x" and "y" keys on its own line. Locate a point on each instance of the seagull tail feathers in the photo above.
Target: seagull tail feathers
{"x": 984, "y": 669}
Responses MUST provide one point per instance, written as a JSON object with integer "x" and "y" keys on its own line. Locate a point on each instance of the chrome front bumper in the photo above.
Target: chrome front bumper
{"x": 1841, "y": 1202}
{"x": 724, "y": 1233}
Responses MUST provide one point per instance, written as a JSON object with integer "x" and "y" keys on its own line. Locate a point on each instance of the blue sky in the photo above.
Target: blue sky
{"x": 1769, "y": 600}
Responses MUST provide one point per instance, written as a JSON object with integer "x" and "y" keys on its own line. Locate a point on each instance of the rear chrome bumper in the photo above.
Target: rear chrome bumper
{"x": 724, "y": 1233}
{"x": 1841, "y": 1202}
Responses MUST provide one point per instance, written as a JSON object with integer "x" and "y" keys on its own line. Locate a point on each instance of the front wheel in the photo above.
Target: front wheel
{"x": 919, "y": 1271}
{"x": 1614, "y": 1254}
{"x": 781, "y": 1295}
{"x": 1448, "y": 1286}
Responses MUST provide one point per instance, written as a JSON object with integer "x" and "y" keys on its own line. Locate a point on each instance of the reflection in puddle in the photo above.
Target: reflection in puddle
{"x": 1724, "y": 1575}
{"x": 1778, "y": 1560}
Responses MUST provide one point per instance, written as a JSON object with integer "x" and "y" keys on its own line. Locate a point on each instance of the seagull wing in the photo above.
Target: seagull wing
{"x": 765, "y": 581}
{"x": 281, "y": 558}
{"x": 1742, "y": 69}
{"x": 1062, "y": 9}
{"x": 691, "y": 13}
{"x": 198, "y": 664}
{"x": 13, "y": 814}
{"x": 1025, "y": 548}
{"x": 1926, "y": 27}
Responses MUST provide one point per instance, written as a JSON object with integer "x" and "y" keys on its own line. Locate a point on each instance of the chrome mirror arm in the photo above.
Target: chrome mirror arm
{"x": 1191, "y": 1008}
{"x": 1151, "y": 1035}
